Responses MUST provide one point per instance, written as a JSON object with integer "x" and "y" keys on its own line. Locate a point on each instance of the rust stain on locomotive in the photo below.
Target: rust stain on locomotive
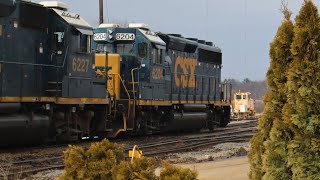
{"x": 187, "y": 77}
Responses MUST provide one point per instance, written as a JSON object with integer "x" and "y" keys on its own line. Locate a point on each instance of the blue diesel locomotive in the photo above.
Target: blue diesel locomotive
{"x": 60, "y": 79}
{"x": 174, "y": 83}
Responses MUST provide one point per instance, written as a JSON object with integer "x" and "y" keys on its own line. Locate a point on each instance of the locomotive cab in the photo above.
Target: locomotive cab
{"x": 142, "y": 55}
{"x": 71, "y": 41}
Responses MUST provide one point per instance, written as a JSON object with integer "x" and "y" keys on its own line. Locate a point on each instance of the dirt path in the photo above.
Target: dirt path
{"x": 231, "y": 169}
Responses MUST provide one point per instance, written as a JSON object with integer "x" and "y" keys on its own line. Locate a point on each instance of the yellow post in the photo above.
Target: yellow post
{"x": 135, "y": 153}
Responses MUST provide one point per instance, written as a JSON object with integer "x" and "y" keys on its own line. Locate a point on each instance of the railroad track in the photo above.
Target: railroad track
{"x": 235, "y": 132}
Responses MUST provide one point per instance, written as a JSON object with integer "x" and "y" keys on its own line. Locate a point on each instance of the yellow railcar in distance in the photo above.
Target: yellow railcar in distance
{"x": 243, "y": 106}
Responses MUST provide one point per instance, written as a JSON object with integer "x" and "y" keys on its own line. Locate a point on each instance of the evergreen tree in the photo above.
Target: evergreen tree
{"x": 264, "y": 161}
{"x": 276, "y": 151}
{"x": 302, "y": 112}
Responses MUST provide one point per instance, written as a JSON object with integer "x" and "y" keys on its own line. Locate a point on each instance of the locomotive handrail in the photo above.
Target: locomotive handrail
{"x": 194, "y": 74}
{"x": 124, "y": 86}
{"x": 31, "y": 64}
{"x": 133, "y": 89}
{"x": 45, "y": 65}
{"x": 114, "y": 92}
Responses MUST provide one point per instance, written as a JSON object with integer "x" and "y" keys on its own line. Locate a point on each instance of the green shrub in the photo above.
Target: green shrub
{"x": 143, "y": 168}
{"x": 171, "y": 172}
{"x": 105, "y": 161}
{"x": 95, "y": 163}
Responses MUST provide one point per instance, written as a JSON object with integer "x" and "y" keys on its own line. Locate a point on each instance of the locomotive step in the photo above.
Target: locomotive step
{"x": 54, "y": 82}
{"x": 132, "y": 91}
{"x": 133, "y": 83}
{"x": 53, "y": 90}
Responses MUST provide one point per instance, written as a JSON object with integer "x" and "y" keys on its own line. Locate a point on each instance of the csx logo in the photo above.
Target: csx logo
{"x": 157, "y": 73}
{"x": 186, "y": 78}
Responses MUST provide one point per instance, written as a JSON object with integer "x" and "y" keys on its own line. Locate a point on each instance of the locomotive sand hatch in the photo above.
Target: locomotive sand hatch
{"x": 62, "y": 79}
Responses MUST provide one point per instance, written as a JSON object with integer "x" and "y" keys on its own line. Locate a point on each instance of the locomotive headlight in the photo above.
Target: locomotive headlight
{"x": 41, "y": 49}
{"x": 48, "y": 107}
{"x": 15, "y": 24}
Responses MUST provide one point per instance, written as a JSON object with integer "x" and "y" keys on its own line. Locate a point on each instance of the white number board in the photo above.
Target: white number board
{"x": 125, "y": 36}
{"x": 100, "y": 37}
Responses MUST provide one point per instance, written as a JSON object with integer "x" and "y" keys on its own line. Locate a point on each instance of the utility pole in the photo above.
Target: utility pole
{"x": 101, "y": 11}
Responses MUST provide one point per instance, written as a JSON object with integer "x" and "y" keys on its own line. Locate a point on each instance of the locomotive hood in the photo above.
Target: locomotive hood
{"x": 75, "y": 20}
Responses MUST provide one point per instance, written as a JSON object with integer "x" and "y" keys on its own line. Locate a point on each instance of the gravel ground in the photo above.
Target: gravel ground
{"x": 220, "y": 151}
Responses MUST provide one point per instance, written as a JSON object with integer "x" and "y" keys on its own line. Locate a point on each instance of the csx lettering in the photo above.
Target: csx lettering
{"x": 80, "y": 65}
{"x": 186, "y": 78}
{"x": 157, "y": 73}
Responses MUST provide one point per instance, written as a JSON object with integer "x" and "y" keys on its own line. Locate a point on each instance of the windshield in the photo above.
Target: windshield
{"x": 104, "y": 48}
{"x": 125, "y": 49}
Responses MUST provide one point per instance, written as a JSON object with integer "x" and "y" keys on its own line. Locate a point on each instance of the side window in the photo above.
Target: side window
{"x": 59, "y": 39}
{"x": 85, "y": 43}
{"x": 157, "y": 56}
{"x": 142, "y": 48}
{"x": 244, "y": 96}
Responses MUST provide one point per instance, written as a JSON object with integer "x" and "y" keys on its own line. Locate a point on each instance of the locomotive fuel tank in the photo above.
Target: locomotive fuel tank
{"x": 194, "y": 107}
{"x": 187, "y": 121}
{"x": 21, "y": 128}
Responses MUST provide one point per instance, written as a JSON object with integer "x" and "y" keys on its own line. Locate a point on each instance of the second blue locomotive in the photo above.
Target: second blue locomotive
{"x": 174, "y": 82}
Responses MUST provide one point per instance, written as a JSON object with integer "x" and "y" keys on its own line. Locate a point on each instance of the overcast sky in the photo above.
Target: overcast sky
{"x": 243, "y": 29}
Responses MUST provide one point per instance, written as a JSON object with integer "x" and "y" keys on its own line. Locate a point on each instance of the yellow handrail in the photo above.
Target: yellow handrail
{"x": 114, "y": 94}
{"x": 129, "y": 100}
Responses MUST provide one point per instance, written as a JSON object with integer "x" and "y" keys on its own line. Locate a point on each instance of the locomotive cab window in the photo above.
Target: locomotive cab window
{"x": 124, "y": 49}
{"x": 142, "y": 50}
{"x": 244, "y": 96}
{"x": 238, "y": 97}
{"x": 85, "y": 43}
{"x": 104, "y": 48}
